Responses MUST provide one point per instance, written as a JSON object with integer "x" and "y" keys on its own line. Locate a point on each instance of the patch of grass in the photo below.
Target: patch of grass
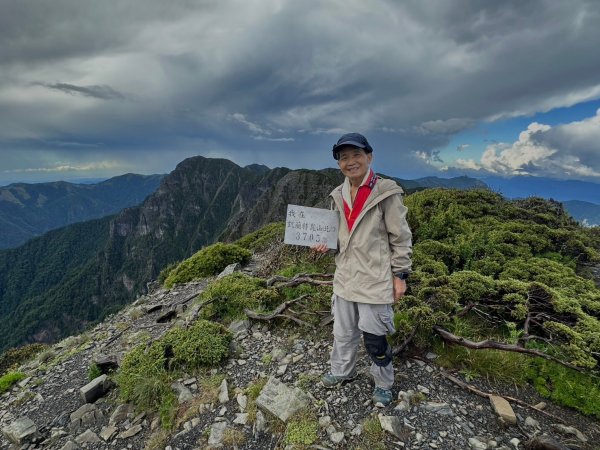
{"x": 253, "y": 391}
{"x": 306, "y": 381}
{"x": 566, "y": 386}
{"x": 267, "y": 359}
{"x": 47, "y": 355}
{"x": 301, "y": 429}
{"x": 9, "y": 379}
{"x": 209, "y": 387}
{"x": 496, "y": 366}
{"x": 94, "y": 371}
{"x": 372, "y": 435}
{"x": 158, "y": 441}
{"x": 203, "y": 344}
{"x": 207, "y": 262}
{"x": 233, "y": 438}
{"x": 261, "y": 239}
{"x": 136, "y": 313}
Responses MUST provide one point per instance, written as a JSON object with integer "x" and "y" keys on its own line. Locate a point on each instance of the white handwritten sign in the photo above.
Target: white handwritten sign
{"x": 309, "y": 226}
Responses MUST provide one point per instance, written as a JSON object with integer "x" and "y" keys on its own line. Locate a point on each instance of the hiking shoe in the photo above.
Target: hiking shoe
{"x": 331, "y": 380}
{"x": 382, "y": 397}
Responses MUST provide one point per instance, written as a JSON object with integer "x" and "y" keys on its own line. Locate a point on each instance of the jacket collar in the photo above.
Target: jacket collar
{"x": 379, "y": 193}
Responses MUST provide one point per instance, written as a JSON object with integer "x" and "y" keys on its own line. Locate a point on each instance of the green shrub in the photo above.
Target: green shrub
{"x": 209, "y": 261}
{"x": 147, "y": 372}
{"x": 7, "y": 381}
{"x": 261, "y": 239}
{"x": 204, "y": 344}
{"x": 164, "y": 273}
{"x": 14, "y": 357}
{"x": 232, "y": 293}
{"x": 94, "y": 372}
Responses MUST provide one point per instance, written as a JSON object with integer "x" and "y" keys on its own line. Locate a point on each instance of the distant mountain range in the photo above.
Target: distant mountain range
{"x": 561, "y": 190}
{"x": 581, "y": 198}
{"x": 588, "y": 214}
{"x": 28, "y": 210}
{"x": 57, "y": 283}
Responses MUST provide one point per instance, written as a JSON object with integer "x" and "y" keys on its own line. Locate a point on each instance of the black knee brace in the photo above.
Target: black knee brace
{"x": 378, "y": 349}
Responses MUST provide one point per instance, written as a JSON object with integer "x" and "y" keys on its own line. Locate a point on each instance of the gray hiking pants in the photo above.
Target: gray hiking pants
{"x": 349, "y": 320}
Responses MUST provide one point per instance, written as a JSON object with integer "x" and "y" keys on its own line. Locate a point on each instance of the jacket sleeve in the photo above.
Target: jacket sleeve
{"x": 399, "y": 235}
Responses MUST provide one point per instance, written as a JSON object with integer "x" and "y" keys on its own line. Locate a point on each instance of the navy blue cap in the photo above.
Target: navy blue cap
{"x": 354, "y": 140}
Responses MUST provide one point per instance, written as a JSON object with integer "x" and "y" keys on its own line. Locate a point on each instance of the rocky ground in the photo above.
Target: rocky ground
{"x": 49, "y": 410}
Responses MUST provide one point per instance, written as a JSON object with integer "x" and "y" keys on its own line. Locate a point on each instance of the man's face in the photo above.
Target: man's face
{"x": 354, "y": 162}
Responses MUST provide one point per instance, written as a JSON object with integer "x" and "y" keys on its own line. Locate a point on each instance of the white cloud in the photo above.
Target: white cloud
{"x": 563, "y": 151}
{"x": 102, "y": 165}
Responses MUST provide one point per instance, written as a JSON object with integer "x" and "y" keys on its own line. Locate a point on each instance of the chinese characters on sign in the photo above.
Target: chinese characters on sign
{"x": 309, "y": 226}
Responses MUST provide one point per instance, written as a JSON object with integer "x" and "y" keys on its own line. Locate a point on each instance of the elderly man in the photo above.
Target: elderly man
{"x": 372, "y": 265}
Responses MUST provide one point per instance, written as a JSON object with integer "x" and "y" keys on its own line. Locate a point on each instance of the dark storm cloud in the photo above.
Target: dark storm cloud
{"x": 101, "y": 92}
{"x": 279, "y": 80}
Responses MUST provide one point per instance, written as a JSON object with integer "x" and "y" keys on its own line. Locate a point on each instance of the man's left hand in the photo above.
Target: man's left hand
{"x": 399, "y": 288}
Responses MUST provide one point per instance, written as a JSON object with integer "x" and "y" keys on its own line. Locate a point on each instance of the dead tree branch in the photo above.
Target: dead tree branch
{"x": 488, "y": 344}
{"x": 278, "y": 312}
{"x": 400, "y": 348}
{"x": 487, "y": 395}
{"x": 300, "y": 278}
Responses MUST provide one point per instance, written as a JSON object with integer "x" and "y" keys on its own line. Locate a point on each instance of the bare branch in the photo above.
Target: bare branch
{"x": 454, "y": 339}
{"x": 258, "y": 316}
{"x": 400, "y": 348}
{"x": 476, "y": 391}
{"x": 300, "y": 278}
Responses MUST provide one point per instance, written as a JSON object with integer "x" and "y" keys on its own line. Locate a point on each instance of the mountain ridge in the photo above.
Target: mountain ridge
{"x": 28, "y": 210}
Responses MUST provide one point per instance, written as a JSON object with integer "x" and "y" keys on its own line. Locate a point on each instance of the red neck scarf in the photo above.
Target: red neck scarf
{"x": 362, "y": 195}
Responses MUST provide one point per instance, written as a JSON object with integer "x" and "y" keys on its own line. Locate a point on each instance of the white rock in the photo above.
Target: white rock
{"x": 260, "y": 424}
{"x": 423, "y": 389}
{"x": 241, "y": 418}
{"x": 217, "y": 430}
{"x": 476, "y": 444}
{"x": 357, "y": 430}
{"x": 242, "y": 401}
{"x": 336, "y": 438}
{"x": 324, "y": 421}
{"x": 531, "y": 422}
{"x": 223, "y": 392}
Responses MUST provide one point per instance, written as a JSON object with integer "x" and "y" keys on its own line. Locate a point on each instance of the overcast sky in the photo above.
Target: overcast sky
{"x": 93, "y": 89}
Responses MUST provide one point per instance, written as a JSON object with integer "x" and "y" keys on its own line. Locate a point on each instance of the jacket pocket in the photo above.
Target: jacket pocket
{"x": 387, "y": 318}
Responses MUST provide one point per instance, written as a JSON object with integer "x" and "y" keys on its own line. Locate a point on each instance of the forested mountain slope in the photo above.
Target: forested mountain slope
{"x": 29, "y": 210}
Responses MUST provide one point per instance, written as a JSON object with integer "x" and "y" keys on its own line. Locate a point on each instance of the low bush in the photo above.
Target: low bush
{"x": 9, "y": 379}
{"x": 147, "y": 371}
{"x": 233, "y": 293}
{"x": 14, "y": 357}
{"x": 301, "y": 429}
{"x": 263, "y": 238}
{"x": 207, "y": 262}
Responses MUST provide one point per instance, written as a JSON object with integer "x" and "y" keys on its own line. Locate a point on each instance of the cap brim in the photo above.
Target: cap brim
{"x": 353, "y": 143}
